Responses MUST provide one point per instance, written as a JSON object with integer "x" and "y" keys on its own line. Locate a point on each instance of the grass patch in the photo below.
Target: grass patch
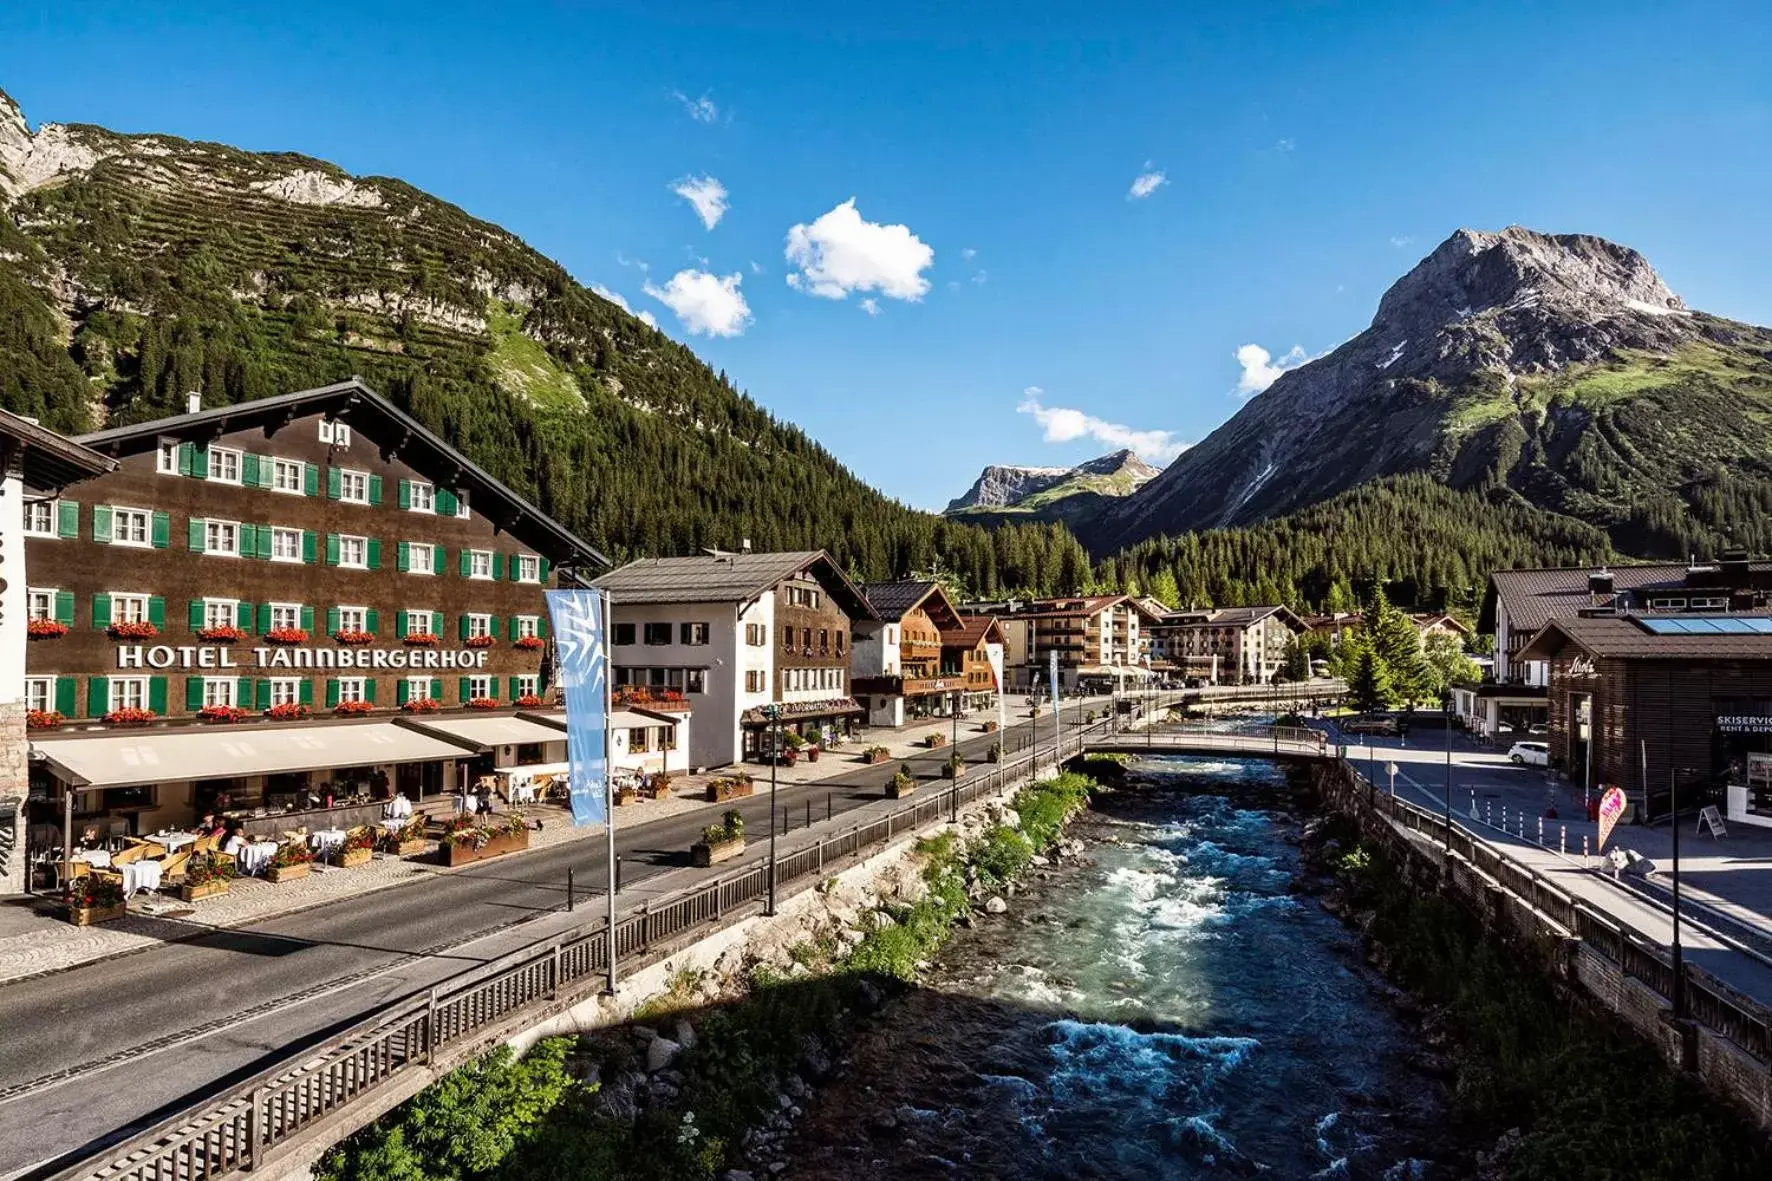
{"x": 523, "y": 366}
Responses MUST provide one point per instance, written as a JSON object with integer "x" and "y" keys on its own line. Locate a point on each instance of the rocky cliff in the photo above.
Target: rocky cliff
{"x": 1054, "y": 494}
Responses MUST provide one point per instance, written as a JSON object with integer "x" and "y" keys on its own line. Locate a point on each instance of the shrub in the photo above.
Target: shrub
{"x": 730, "y": 828}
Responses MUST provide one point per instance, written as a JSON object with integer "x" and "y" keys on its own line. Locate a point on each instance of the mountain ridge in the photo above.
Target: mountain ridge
{"x": 1005, "y": 492}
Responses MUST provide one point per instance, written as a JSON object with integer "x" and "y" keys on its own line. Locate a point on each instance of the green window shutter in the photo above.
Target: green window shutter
{"x": 187, "y": 459}
{"x": 200, "y": 462}
{"x": 369, "y": 690}
{"x": 511, "y": 628}
{"x": 402, "y": 690}
{"x": 332, "y": 549}
{"x": 249, "y": 470}
{"x": 101, "y": 611}
{"x": 372, "y": 621}
{"x": 243, "y": 692}
{"x": 462, "y": 627}
{"x": 464, "y": 689}
{"x": 157, "y": 611}
{"x": 492, "y": 687}
{"x": 400, "y": 631}
{"x": 437, "y": 555}
{"x": 403, "y": 557}
{"x": 243, "y": 616}
{"x": 248, "y": 540}
{"x": 310, "y": 479}
{"x": 264, "y": 618}
{"x": 545, "y": 567}
{"x": 161, "y": 530}
{"x": 64, "y": 696}
{"x": 375, "y": 490}
{"x": 195, "y": 616}
{"x": 445, "y": 503}
{"x": 309, "y": 546}
{"x": 193, "y": 693}
{"x": 467, "y": 563}
{"x": 334, "y": 484}
{"x": 374, "y": 548}
{"x": 437, "y": 624}
{"x": 332, "y": 621}
{"x": 64, "y": 609}
{"x": 261, "y": 697}
{"x": 101, "y": 523}
{"x": 541, "y": 626}
{"x": 264, "y": 541}
{"x": 436, "y": 688}
{"x": 495, "y": 567}
{"x": 307, "y": 618}
{"x": 98, "y": 696}
{"x": 157, "y": 695}
{"x": 512, "y": 694}
{"x": 194, "y": 535}
{"x": 405, "y": 493}
{"x": 67, "y": 519}
{"x": 305, "y": 694}
{"x": 331, "y": 692}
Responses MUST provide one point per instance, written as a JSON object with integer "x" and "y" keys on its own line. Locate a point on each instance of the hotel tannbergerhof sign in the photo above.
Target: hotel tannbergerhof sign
{"x": 165, "y": 656}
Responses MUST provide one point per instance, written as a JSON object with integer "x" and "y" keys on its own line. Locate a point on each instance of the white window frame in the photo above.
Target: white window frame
{"x": 362, "y": 561}
{"x": 353, "y": 619}
{"x": 280, "y": 535}
{"x": 475, "y": 558}
{"x": 285, "y": 691}
{"x": 429, "y": 565}
{"x": 528, "y": 685}
{"x": 1708, "y": 603}
{"x": 528, "y": 568}
{"x": 351, "y": 689}
{"x": 280, "y": 468}
{"x": 461, "y": 506}
{"x": 119, "y": 514}
{"x": 219, "y": 458}
{"x": 285, "y": 615}
{"x": 40, "y": 694}
{"x": 418, "y": 688}
{"x": 220, "y": 691}
{"x": 127, "y": 693}
{"x": 336, "y": 433}
{"x": 414, "y": 489}
{"x": 166, "y": 457}
{"x": 479, "y": 686}
{"x": 49, "y": 511}
{"x": 353, "y": 486}
{"x": 417, "y": 621}
{"x": 129, "y": 607}
{"x": 40, "y": 602}
{"x": 213, "y": 530}
{"x": 219, "y": 613}
{"x": 528, "y": 625}
{"x": 478, "y": 624}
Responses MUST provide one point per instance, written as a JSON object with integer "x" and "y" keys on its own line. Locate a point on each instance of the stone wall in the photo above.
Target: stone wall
{"x": 14, "y": 774}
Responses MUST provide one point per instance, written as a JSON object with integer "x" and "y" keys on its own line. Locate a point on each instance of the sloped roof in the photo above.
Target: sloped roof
{"x": 729, "y": 578}
{"x": 1624, "y": 637}
{"x": 893, "y": 600}
{"x": 49, "y": 460}
{"x": 1233, "y": 617}
{"x": 973, "y": 630}
{"x": 351, "y": 402}
{"x": 1532, "y": 598}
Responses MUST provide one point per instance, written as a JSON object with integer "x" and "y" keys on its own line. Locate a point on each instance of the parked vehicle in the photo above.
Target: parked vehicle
{"x": 1530, "y": 754}
{"x": 1379, "y": 724}
{"x": 1539, "y": 731}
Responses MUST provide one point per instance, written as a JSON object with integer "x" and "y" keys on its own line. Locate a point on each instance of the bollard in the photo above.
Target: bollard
{"x": 808, "y": 813}
{"x": 568, "y": 889}
{"x": 1489, "y": 813}
{"x": 618, "y": 874}
{"x": 1473, "y": 803}
{"x": 1541, "y": 830}
{"x": 784, "y": 821}
{"x": 1584, "y": 849}
{"x": 827, "y": 805}
{"x": 1563, "y": 839}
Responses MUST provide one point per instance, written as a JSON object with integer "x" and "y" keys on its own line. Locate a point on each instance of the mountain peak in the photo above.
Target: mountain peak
{"x": 29, "y": 161}
{"x": 1002, "y": 486}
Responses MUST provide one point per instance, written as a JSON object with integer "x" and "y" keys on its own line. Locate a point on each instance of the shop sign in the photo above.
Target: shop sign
{"x": 1744, "y": 724}
{"x": 1582, "y": 666}
{"x": 161, "y": 656}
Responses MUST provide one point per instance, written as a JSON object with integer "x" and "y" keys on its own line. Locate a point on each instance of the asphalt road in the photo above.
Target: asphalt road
{"x": 95, "y": 1053}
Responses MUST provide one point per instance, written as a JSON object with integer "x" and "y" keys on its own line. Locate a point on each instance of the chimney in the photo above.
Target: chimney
{"x": 193, "y": 402}
{"x": 744, "y": 546}
{"x": 1599, "y": 583}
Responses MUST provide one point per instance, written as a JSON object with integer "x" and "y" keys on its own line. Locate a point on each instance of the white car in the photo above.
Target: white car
{"x": 1530, "y": 754}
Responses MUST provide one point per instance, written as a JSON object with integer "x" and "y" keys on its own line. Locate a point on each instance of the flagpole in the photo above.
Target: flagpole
{"x": 608, "y": 785}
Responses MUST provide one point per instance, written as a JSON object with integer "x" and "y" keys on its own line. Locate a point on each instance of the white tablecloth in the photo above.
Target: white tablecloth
{"x": 398, "y": 808}
{"x": 172, "y": 842}
{"x": 257, "y": 855}
{"x": 393, "y": 825}
{"x": 326, "y": 839}
{"x": 97, "y": 858}
{"x": 140, "y": 875}
{"x": 522, "y": 793}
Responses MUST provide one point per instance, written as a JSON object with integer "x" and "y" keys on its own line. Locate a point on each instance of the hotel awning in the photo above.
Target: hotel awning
{"x": 800, "y": 711}
{"x": 485, "y": 733}
{"x": 131, "y": 758}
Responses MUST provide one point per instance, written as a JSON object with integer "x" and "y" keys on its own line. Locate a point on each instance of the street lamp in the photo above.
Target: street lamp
{"x": 954, "y": 753}
{"x": 772, "y": 715}
{"x": 1673, "y": 804}
{"x": 1447, "y": 702}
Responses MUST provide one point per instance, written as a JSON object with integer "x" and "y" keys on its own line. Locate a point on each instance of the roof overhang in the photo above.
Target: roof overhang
{"x": 49, "y": 462}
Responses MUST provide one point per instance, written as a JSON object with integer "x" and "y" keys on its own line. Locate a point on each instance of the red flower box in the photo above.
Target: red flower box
{"x": 528, "y": 643}
{"x": 223, "y": 713}
{"x": 420, "y": 640}
{"x": 286, "y": 635}
{"x": 221, "y": 635}
{"x": 355, "y": 638}
{"x": 481, "y": 641}
{"x": 483, "y": 703}
{"x": 43, "y": 719}
{"x": 129, "y": 717}
{"x": 349, "y": 708}
{"x": 288, "y": 711}
{"x": 529, "y": 700}
{"x": 423, "y": 705}
{"x": 46, "y": 629}
{"x": 139, "y": 630}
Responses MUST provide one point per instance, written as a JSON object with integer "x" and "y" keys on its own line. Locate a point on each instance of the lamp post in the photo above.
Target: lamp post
{"x": 772, "y": 715}
{"x": 1448, "y": 705}
{"x": 954, "y": 753}
{"x": 1673, "y": 804}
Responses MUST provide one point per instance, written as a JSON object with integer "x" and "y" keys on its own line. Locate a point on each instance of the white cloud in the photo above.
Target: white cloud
{"x": 1401, "y": 240}
{"x": 707, "y": 304}
{"x": 1285, "y": 145}
{"x": 615, "y": 297}
{"x": 871, "y": 306}
{"x": 1063, "y": 425}
{"x": 756, "y": 267}
{"x": 702, "y": 109}
{"x": 706, "y": 194}
{"x": 1147, "y": 182}
{"x": 840, "y": 253}
{"x": 981, "y": 277}
{"x": 1260, "y": 370}
{"x": 968, "y": 253}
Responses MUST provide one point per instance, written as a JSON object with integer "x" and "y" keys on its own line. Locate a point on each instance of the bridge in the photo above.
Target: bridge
{"x": 1193, "y": 738}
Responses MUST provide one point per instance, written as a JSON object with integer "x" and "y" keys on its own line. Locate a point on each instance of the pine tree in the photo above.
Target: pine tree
{"x": 1370, "y": 685}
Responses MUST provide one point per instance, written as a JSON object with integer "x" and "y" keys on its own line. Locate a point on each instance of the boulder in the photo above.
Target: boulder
{"x": 685, "y": 1034}
{"x": 660, "y": 1053}
{"x": 995, "y": 904}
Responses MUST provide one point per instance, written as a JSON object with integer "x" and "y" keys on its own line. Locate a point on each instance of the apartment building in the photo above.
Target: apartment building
{"x": 920, "y": 657}
{"x": 1101, "y": 640}
{"x": 1226, "y": 645}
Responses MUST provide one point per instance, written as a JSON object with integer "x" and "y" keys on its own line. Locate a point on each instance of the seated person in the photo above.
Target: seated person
{"x": 209, "y": 826}
{"x": 236, "y": 840}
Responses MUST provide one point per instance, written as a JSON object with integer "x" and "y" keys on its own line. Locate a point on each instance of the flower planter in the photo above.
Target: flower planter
{"x": 704, "y": 853}
{"x": 898, "y": 789}
{"x": 87, "y": 916}
{"x": 206, "y": 890}
{"x": 352, "y": 858}
{"x": 875, "y": 757}
{"x": 990, "y": 727}
{"x": 411, "y": 848}
{"x": 656, "y": 793}
{"x": 287, "y": 873}
{"x": 812, "y": 754}
{"x": 626, "y": 795}
{"x": 936, "y": 740}
{"x": 453, "y": 853}
{"x": 721, "y": 790}
{"x": 949, "y": 771}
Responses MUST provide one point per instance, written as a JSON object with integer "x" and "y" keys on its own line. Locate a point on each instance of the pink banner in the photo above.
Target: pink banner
{"x": 1611, "y": 808}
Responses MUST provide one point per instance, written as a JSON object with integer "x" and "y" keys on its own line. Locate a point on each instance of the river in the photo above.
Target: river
{"x": 1163, "y": 1007}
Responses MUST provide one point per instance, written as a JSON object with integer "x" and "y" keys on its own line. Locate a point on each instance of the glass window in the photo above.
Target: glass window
{"x": 658, "y": 633}
{"x": 422, "y": 498}
{"x": 624, "y": 633}
{"x": 695, "y": 680}
{"x": 40, "y": 694}
{"x": 528, "y": 625}
{"x": 527, "y": 685}
{"x": 637, "y": 740}
{"x": 129, "y": 608}
{"x": 479, "y": 563}
{"x": 129, "y": 526}
{"x": 39, "y": 604}
{"x": 221, "y": 537}
{"x": 418, "y": 688}
{"x": 353, "y": 619}
{"x": 285, "y": 690}
{"x": 129, "y": 693}
{"x": 224, "y": 465}
{"x": 353, "y": 487}
{"x": 479, "y": 625}
{"x": 353, "y": 552}
{"x": 218, "y": 613}
{"x": 695, "y": 633}
{"x": 756, "y": 635}
{"x": 288, "y": 475}
{"x": 166, "y": 457}
{"x": 421, "y": 557}
{"x": 528, "y": 568}
{"x": 479, "y": 687}
{"x": 218, "y": 690}
{"x": 351, "y": 689}
{"x": 461, "y": 505}
{"x": 285, "y": 545}
{"x": 336, "y": 433}
{"x": 286, "y": 615}
{"x": 40, "y": 518}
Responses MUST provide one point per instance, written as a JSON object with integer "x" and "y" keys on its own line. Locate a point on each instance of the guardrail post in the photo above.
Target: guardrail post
{"x": 255, "y": 1129}
{"x": 431, "y": 1029}
{"x": 554, "y": 973}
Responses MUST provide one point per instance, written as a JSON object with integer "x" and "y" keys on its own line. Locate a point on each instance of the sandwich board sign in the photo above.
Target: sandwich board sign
{"x": 1709, "y": 817}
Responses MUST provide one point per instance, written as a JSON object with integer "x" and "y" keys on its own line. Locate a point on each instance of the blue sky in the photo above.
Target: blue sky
{"x": 1306, "y": 154}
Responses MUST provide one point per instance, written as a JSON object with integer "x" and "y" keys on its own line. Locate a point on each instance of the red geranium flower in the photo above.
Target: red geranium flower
{"x": 46, "y": 629}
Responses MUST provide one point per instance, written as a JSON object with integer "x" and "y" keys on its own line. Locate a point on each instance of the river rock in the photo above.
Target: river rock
{"x": 736, "y": 1175}
{"x": 872, "y": 995}
{"x": 815, "y": 1060}
{"x": 1040, "y": 859}
{"x": 995, "y": 904}
{"x": 660, "y": 1052}
{"x": 685, "y": 1034}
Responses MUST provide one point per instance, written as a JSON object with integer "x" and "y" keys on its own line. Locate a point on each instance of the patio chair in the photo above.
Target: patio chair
{"x": 137, "y": 852}
{"x": 172, "y": 870}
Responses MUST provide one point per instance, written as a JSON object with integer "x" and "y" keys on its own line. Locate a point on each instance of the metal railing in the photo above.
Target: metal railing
{"x": 235, "y": 1131}
{"x": 1710, "y": 1002}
